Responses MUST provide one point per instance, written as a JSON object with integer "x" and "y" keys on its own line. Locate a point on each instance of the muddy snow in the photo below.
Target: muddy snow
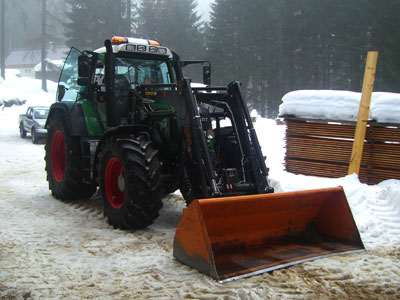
{"x": 51, "y": 249}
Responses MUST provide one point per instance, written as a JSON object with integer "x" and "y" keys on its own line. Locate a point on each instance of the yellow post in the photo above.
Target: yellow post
{"x": 363, "y": 113}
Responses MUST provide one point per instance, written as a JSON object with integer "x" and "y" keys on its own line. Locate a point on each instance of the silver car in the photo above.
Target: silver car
{"x": 33, "y": 121}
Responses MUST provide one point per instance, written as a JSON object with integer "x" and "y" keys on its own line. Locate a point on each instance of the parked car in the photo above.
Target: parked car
{"x": 33, "y": 122}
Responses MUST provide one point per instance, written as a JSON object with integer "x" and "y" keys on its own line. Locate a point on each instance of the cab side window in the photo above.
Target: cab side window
{"x": 69, "y": 77}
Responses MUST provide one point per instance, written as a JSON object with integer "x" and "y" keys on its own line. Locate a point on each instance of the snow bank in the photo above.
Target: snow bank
{"x": 24, "y": 88}
{"x": 375, "y": 208}
{"x": 271, "y": 140}
{"x": 339, "y": 105}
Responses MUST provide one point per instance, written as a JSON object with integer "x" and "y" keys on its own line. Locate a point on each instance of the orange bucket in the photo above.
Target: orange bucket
{"x": 234, "y": 237}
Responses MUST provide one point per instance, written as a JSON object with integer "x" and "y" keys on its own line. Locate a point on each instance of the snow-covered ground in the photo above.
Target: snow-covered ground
{"x": 24, "y": 88}
{"x": 51, "y": 249}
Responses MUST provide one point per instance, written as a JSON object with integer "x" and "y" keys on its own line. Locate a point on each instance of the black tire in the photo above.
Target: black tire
{"x": 130, "y": 182}
{"x": 34, "y": 136}
{"x": 22, "y": 131}
{"x": 63, "y": 163}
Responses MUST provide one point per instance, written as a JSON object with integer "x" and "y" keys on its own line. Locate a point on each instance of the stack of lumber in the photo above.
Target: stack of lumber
{"x": 323, "y": 148}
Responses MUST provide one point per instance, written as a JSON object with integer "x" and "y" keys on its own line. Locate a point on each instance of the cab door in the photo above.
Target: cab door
{"x": 68, "y": 88}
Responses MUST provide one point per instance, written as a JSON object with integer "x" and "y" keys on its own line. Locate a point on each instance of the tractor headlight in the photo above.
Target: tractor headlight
{"x": 153, "y": 49}
{"x": 162, "y": 50}
{"x": 130, "y": 47}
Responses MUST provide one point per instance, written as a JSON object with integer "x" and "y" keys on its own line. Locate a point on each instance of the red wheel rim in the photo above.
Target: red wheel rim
{"x": 58, "y": 155}
{"x": 115, "y": 183}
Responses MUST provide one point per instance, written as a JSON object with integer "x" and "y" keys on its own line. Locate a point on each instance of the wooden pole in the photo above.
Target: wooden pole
{"x": 363, "y": 113}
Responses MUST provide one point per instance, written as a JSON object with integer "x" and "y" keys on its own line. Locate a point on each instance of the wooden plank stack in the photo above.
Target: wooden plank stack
{"x": 323, "y": 148}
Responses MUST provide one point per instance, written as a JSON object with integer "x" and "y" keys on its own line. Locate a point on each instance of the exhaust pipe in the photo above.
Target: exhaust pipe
{"x": 110, "y": 85}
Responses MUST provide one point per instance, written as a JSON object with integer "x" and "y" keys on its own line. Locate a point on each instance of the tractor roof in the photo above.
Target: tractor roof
{"x": 128, "y": 44}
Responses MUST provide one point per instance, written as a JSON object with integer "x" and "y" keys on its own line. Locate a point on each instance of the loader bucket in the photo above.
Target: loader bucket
{"x": 234, "y": 237}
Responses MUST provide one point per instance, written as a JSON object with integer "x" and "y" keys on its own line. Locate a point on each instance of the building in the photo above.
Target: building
{"x": 28, "y": 62}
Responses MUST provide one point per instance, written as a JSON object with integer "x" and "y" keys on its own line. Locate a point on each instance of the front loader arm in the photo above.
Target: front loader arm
{"x": 235, "y": 94}
{"x": 199, "y": 141}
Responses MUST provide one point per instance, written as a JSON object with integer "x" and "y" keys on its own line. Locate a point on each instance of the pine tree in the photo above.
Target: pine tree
{"x": 385, "y": 37}
{"x": 244, "y": 43}
{"x": 225, "y": 41}
{"x": 174, "y": 23}
{"x": 93, "y": 21}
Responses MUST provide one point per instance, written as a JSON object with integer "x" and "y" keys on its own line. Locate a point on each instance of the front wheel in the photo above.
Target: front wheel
{"x": 130, "y": 182}
{"x": 34, "y": 136}
{"x": 63, "y": 163}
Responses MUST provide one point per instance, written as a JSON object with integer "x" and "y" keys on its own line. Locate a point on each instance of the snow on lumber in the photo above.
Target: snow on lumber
{"x": 339, "y": 105}
{"x": 385, "y": 107}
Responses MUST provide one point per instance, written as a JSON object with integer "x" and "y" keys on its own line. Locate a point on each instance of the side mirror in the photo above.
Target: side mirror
{"x": 60, "y": 92}
{"x": 83, "y": 81}
{"x": 207, "y": 75}
{"x": 83, "y": 66}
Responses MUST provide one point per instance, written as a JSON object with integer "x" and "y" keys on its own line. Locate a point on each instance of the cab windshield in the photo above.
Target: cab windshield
{"x": 142, "y": 71}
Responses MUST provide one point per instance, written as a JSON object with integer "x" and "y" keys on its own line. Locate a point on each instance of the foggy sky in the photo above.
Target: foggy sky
{"x": 203, "y": 8}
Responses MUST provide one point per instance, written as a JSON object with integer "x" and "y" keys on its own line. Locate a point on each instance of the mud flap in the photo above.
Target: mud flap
{"x": 234, "y": 237}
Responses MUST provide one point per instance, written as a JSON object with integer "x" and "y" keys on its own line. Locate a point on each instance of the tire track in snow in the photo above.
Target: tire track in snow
{"x": 57, "y": 250}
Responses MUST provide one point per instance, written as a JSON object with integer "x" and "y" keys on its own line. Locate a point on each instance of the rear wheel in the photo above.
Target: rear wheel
{"x": 22, "y": 131}
{"x": 130, "y": 182}
{"x": 63, "y": 163}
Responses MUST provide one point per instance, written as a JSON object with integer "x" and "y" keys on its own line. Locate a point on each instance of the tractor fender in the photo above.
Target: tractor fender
{"x": 76, "y": 118}
{"x": 56, "y": 109}
{"x": 132, "y": 130}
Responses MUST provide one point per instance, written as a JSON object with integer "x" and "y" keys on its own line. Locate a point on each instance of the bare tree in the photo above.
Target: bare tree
{"x": 3, "y": 40}
{"x": 43, "y": 47}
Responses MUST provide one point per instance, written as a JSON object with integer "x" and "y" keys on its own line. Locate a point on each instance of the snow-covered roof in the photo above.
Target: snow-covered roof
{"x": 51, "y": 65}
{"x": 339, "y": 105}
{"x": 30, "y": 57}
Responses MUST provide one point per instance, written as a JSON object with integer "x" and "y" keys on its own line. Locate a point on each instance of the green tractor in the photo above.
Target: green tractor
{"x": 127, "y": 122}
{"x": 128, "y": 126}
